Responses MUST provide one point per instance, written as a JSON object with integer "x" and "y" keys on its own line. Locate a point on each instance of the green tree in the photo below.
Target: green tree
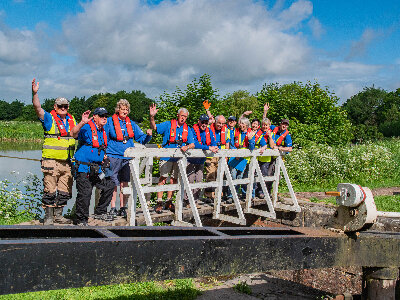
{"x": 313, "y": 111}
{"x": 240, "y": 101}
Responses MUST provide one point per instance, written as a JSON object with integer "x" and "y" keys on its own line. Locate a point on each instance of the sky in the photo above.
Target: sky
{"x": 81, "y": 48}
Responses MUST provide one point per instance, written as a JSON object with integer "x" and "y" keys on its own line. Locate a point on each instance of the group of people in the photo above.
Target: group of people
{"x": 99, "y": 159}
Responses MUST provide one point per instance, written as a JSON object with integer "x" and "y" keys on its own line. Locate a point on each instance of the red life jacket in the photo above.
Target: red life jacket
{"x": 281, "y": 137}
{"x": 172, "y": 133}
{"x": 223, "y": 133}
{"x": 208, "y": 134}
{"x": 117, "y": 127}
{"x": 258, "y": 134}
{"x": 267, "y": 134}
{"x": 95, "y": 138}
{"x": 60, "y": 125}
{"x": 245, "y": 143}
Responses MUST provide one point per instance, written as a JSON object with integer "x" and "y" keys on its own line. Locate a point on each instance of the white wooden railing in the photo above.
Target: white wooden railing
{"x": 140, "y": 187}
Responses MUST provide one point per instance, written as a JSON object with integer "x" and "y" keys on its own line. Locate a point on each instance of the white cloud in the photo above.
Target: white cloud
{"x": 235, "y": 41}
{"x": 316, "y": 27}
{"x": 358, "y": 48}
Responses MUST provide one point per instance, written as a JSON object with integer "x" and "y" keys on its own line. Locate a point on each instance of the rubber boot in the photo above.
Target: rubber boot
{"x": 48, "y": 216}
{"x": 58, "y": 217}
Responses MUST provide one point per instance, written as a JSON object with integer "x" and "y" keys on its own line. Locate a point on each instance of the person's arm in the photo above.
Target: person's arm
{"x": 207, "y": 105}
{"x": 288, "y": 143}
{"x": 85, "y": 119}
{"x": 213, "y": 146}
{"x": 266, "y": 108}
{"x": 153, "y": 112}
{"x": 35, "y": 100}
{"x": 271, "y": 141}
{"x": 246, "y": 113}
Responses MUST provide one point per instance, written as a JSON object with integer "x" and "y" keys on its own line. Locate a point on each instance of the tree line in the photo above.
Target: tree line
{"x": 314, "y": 114}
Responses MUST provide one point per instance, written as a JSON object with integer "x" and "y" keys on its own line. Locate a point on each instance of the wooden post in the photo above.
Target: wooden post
{"x": 379, "y": 283}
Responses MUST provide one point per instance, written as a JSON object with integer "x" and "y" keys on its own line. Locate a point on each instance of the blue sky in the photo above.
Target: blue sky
{"x": 79, "y": 48}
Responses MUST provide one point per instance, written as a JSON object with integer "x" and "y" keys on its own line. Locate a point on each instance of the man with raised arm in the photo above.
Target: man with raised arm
{"x": 60, "y": 131}
{"x": 176, "y": 134}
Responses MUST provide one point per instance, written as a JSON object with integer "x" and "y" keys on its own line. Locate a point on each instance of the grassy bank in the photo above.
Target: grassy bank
{"x": 165, "y": 290}
{"x": 21, "y": 131}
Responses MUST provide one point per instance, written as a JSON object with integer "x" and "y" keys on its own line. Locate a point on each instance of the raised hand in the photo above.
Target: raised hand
{"x": 206, "y": 104}
{"x": 149, "y": 132}
{"x": 247, "y": 112}
{"x": 153, "y": 110}
{"x": 85, "y": 117}
{"x": 35, "y": 86}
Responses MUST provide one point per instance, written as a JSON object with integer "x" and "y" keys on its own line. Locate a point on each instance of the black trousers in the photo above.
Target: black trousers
{"x": 84, "y": 185}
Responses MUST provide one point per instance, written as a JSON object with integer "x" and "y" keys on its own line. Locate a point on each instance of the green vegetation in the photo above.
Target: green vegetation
{"x": 21, "y": 131}
{"x": 242, "y": 287}
{"x": 20, "y": 201}
{"x": 179, "y": 289}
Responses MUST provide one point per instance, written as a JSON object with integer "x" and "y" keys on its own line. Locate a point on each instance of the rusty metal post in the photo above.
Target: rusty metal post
{"x": 379, "y": 283}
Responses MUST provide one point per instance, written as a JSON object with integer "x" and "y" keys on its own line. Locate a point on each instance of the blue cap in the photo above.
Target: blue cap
{"x": 100, "y": 111}
{"x": 203, "y": 117}
{"x": 232, "y": 118}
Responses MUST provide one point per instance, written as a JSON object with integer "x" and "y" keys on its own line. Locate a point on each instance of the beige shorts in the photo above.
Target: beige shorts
{"x": 169, "y": 168}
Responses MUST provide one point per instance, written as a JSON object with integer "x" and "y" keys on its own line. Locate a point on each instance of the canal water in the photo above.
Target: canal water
{"x": 19, "y": 160}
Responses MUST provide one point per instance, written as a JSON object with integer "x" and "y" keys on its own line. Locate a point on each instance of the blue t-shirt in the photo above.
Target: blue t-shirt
{"x": 164, "y": 128}
{"x": 47, "y": 121}
{"x": 116, "y": 148}
{"x": 218, "y": 137}
{"x": 202, "y": 146}
{"x": 287, "y": 142}
{"x": 86, "y": 152}
{"x": 240, "y": 162}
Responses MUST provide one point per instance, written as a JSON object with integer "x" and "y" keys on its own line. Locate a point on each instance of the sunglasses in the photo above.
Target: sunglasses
{"x": 204, "y": 122}
{"x": 63, "y": 106}
{"x": 103, "y": 116}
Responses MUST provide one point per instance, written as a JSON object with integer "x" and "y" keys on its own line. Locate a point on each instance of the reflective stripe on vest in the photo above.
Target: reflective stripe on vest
{"x": 245, "y": 143}
{"x": 208, "y": 135}
{"x": 281, "y": 137}
{"x": 95, "y": 138}
{"x": 118, "y": 130}
{"x": 222, "y": 134}
{"x": 172, "y": 133}
{"x": 58, "y": 144}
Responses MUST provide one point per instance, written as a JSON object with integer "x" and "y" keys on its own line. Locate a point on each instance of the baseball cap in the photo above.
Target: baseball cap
{"x": 232, "y": 118}
{"x": 61, "y": 101}
{"x": 285, "y": 121}
{"x": 203, "y": 117}
{"x": 100, "y": 111}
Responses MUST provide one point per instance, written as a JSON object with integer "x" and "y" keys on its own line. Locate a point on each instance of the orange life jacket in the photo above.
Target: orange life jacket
{"x": 95, "y": 138}
{"x": 208, "y": 134}
{"x": 117, "y": 127}
{"x": 281, "y": 137}
{"x": 223, "y": 133}
{"x": 60, "y": 125}
{"x": 258, "y": 134}
{"x": 267, "y": 134}
{"x": 245, "y": 143}
{"x": 172, "y": 133}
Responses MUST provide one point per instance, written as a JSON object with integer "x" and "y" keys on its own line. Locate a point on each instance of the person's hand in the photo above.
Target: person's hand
{"x": 266, "y": 107}
{"x": 153, "y": 110}
{"x": 184, "y": 148}
{"x": 247, "y": 112}
{"x": 214, "y": 149}
{"x": 206, "y": 104}
{"x": 85, "y": 117}
{"x": 35, "y": 86}
{"x": 149, "y": 132}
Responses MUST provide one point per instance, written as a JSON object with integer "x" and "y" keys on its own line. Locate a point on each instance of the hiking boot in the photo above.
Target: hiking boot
{"x": 58, "y": 217}
{"x": 169, "y": 205}
{"x": 104, "y": 217}
{"x": 82, "y": 223}
{"x": 113, "y": 211}
{"x": 158, "y": 208}
{"x": 229, "y": 200}
{"x": 48, "y": 216}
{"x": 122, "y": 212}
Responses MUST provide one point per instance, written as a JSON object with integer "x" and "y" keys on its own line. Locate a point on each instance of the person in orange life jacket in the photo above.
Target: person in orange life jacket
{"x": 221, "y": 133}
{"x": 231, "y": 126}
{"x": 92, "y": 168}
{"x": 176, "y": 134}
{"x": 58, "y": 148}
{"x": 204, "y": 139}
{"x": 122, "y": 132}
{"x": 264, "y": 161}
{"x": 243, "y": 140}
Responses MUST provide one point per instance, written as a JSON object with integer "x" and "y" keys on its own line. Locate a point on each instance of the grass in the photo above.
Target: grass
{"x": 166, "y": 290}
{"x": 242, "y": 287}
{"x": 383, "y": 203}
{"x": 21, "y": 131}
{"x": 15, "y": 220}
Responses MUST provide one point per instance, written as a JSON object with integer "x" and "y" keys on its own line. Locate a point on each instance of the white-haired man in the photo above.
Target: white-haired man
{"x": 176, "y": 134}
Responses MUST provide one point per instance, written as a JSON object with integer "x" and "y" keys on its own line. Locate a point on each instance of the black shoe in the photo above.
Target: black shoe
{"x": 208, "y": 200}
{"x": 122, "y": 212}
{"x": 113, "y": 211}
{"x": 229, "y": 200}
{"x": 261, "y": 196}
{"x": 104, "y": 217}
